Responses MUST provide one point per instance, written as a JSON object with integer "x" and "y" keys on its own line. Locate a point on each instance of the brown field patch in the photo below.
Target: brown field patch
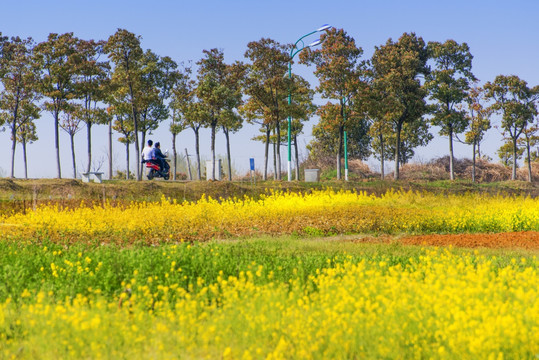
{"x": 524, "y": 240}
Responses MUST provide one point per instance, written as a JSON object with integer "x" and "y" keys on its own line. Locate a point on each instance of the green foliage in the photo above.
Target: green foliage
{"x": 448, "y": 84}
{"x": 56, "y": 60}
{"x": 128, "y": 93}
{"x": 268, "y": 90}
{"x": 396, "y": 70}
{"x": 265, "y": 83}
{"x": 110, "y": 269}
{"x": 326, "y": 137}
{"x": 479, "y": 116}
{"x": 219, "y": 92}
{"x": 341, "y": 78}
{"x": 18, "y": 108}
{"x": 505, "y": 154}
{"x": 516, "y": 102}
{"x": 159, "y": 76}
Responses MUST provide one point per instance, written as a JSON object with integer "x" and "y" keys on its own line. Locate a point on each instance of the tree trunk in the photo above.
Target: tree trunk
{"x": 529, "y": 159}
{"x": 274, "y": 158}
{"x": 278, "y": 149}
{"x": 382, "y": 156}
{"x": 397, "y": 150}
{"x": 451, "y": 165}
{"x": 266, "y": 154}
{"x": 110, "y": 149}
{"x": 297, "y": 156}
{"x": 89, "y": 137}
{"x": 213, "y": 126}
{"x": 339, "y": 151}
{"x": 72, "y": 138}
{"x": 197, "y": 149}
{"x": 514, "y": 174}
{"x": 188, "y": 164}
{"x": 174, "y": 155}
{"x": 135, "y": 129}
{"x": 24, "y": 158}
{"x": 13, "y": 146}
{"x": 143, "y": 139}
{"x": 227, "y": 133}
{"x": 14, "y": 133}
{"x": 127, "y": 161}
{"x": 142, "y": 144}
{"x": 473, "y": 162}
{"x": 57, "y": 142}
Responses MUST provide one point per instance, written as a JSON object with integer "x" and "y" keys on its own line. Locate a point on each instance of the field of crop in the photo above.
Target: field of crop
{"x": 260, "y": 279}
{"x": 322, "y": 212}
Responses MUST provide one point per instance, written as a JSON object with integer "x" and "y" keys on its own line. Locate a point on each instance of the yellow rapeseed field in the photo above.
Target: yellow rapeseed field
{"x": 440, "y": 305}
{"x": 318, "y": 212}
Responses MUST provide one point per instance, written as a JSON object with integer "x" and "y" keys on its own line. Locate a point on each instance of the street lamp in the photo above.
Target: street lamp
{"x": 345, "y": 141}
{"x": 293, "y": 52}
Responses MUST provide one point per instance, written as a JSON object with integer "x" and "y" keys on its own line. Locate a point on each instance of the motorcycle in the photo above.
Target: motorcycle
{"x": 154, "y": 171}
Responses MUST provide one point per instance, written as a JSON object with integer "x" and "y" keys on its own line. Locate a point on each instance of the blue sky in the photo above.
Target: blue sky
{"x": 503, "y": 37}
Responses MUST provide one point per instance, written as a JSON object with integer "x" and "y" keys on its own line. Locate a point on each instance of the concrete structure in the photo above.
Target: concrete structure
{"x": 312, "y": 175}
{"x": 96, "y": 176}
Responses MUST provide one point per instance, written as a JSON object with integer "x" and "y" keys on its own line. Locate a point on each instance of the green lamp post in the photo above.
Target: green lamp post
{"x": 345, "y": 142}
{"x": 293, "y": 52}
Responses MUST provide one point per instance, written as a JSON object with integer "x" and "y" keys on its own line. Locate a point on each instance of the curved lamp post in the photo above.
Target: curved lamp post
{"x": 293, "y": 52}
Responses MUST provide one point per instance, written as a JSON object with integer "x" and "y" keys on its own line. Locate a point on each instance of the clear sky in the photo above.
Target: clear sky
{"x": 503, "y": 37}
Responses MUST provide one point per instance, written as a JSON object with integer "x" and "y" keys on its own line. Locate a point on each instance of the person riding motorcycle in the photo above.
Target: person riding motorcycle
{"x": 148, "y": 153}
{"x": 160, "y": 158}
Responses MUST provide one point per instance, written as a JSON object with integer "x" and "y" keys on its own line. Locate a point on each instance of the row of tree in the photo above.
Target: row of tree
{"x": 389, "y": 102}
{"x": 385, "y": 104}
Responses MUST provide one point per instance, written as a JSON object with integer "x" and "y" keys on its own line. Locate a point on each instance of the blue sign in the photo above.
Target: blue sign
{"x": 252, "y": 162}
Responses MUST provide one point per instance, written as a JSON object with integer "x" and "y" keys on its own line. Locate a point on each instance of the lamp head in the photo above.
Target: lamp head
{"x": 323, "y": 27}
{"x": 314, "y": 43}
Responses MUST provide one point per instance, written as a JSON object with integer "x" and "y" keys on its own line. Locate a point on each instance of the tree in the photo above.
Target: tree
{"x": 380, "y": 129}
{"x": 217, "y": 91}
{"x": 397, "y": 67}
{"x": 56, "y": 60}
{"x": 3, "y": 43}
{"x": 516, "y": 102}
{"x": 152, "y": 110}
{"x": 26, "y": 133}
{"x": 91, "y": 82}
{"x": 413, "y": 135}
{"x": 300, "y": 109}
{"x": 188, "y": 112}
{"x": 168, "y": 78}
{"x": 340, "y": 78}
{"x": 267, "y": 88}
{"x": 531, "y": 138}
{"x": 124, "y": 126}
{"x": 180, "y": 92}
{"x": 19, "y": 79}
{"x": 175, "y": 128}
{"x": 448, "y": 84}
{"x": 506, "y": 154}
{"x": 230, "y": 120}
{"x": 159, "y": 75}
{"x": 326, "y": 133}
{"x": 478, "y": 122}
{"x": 70, "y": 123}
{"x": 123, "y": 49}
